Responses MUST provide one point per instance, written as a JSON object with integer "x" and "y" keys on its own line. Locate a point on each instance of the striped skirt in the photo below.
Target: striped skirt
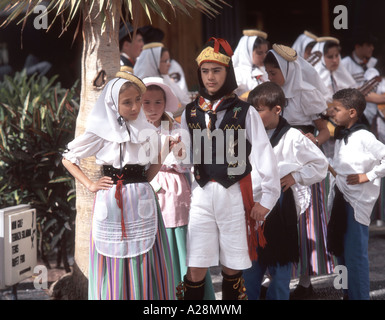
{"x": 312, "y": 228}
{"x": 145, "y": 277}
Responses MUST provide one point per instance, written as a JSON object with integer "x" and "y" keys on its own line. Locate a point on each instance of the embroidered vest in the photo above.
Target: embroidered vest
{"x": 220, "y": 155}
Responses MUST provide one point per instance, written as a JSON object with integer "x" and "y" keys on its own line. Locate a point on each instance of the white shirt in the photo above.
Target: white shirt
{"x": 265, "y": 178}
{"x": 362, "y": 154}
{"x": 355, "y": 69}
{"x": 298, "y": 155}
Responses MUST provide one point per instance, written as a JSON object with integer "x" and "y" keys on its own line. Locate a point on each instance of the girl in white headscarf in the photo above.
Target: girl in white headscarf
{"x": 154, "y": 61}
{"x": 334, "y": 76}
{"x": 305, "y": 104}
{"x": 304, "y": 44}
{"x": 129, "y": 251}
{"x": 332, "y": 72}
{"x": 248, "y": 60}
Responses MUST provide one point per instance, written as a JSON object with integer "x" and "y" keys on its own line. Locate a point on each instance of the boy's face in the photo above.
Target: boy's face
{"x": 332, "y": 59}
{"x": 365, "y": 50}
{"x": 135, "y": 47}
{"x": 213, "y": 76}
{"x": 270, "y": 117}
{"x": 342, "y": 116}
{"x": 130, "y": 101}
{"x": 275, "y": 75}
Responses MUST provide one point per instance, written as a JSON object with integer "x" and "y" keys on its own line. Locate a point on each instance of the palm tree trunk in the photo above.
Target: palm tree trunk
{"x": 98, "y": 45}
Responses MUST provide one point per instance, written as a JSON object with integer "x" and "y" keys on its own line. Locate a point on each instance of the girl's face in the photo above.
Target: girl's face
{"x": 130, "y": 102}
{"x": 165, "y": 63}
{"x": 259, "y": 55}
{"x": 332, "y": 59}
{"x": 275, "y": 75}
{"x": 213, "y": 76}
{"x": 154, "y": 105}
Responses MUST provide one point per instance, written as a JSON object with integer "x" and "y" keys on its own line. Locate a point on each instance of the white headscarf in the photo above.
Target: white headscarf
{"x": 303, "y": 95}
{"x": 310, "y": 75}
{"x": 243, "y": 54}
{"x": 301, "y": 43}
{"x": 342, "y": 77}
{"x": 147, "y": 64}
{"x": 103, "y": 120}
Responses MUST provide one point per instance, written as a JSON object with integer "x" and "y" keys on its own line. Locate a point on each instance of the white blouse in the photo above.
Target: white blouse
{"x": 362, "y": 154}
{"x": 107, "y": 152}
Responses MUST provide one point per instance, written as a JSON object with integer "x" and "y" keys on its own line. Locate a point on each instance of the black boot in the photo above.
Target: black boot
{"x": 189, "y": 290}
{"x": 233, "y": 287}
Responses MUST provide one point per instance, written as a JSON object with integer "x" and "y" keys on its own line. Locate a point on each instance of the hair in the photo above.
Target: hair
{"x": 329, "y": 45}
{"x": 128, "y": 38}
{"x": 127, "y": 85}
{"x": 272, "y": 60}
{"x": 154, "y": 87}
{"x": 310, "y": 45}
{"x": 267, "y": 94}
{"x": 260, "y": 41}
{"x": 165, "y": 116}
{"x": 351, "y": 99}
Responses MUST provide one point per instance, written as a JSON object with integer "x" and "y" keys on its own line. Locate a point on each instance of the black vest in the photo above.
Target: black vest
{"x": 225, "y": 167}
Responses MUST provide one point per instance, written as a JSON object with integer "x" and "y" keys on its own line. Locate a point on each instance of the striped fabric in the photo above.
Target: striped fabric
{"x": 144, "y": 277}
{"x": 312, "y": 228}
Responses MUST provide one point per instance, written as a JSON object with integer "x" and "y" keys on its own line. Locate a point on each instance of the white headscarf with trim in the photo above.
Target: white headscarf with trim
{"x": 342, "y": 77}
{"x": 105, "y": 121}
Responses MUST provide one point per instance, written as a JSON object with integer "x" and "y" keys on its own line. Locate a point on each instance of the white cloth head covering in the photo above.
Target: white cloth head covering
{"x": 292, "y": 74}
{"x": 243, "y": 54}
{"x": 302, "y": 42}
{"x": 310, "y": 75}
{"x": 147, "y": 64}
{"x": 104, "y": 121}
{"x": 301, "y": 95}
{"x": 172, "y": 101}
{"x": 341, "y": 76}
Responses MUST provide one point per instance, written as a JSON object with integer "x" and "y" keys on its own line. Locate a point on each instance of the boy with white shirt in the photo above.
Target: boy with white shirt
{"x": 300, "y": 164}
{"x": 359, "y": 161}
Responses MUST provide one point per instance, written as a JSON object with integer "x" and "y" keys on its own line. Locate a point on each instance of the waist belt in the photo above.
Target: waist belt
{"x": 128, "y": 174}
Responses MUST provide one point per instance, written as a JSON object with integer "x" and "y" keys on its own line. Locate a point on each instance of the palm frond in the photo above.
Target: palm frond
{"x": 19, "y": 9}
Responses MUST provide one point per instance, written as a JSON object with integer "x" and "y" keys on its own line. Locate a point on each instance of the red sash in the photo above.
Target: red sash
{"x": 252, "y": 240}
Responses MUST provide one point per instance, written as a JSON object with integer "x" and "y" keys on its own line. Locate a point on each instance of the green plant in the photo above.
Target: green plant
{"x": 37, "y": 120}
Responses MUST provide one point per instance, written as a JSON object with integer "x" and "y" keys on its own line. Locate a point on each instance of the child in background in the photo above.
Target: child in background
{"x": 170, "y": 184}
{"x": 300, "y": 165}
{"x": 359, "y": 161}
{"x": 305, "y": 105}
{"x": 129, "y": 251}
{"x": 248, "y": 61}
